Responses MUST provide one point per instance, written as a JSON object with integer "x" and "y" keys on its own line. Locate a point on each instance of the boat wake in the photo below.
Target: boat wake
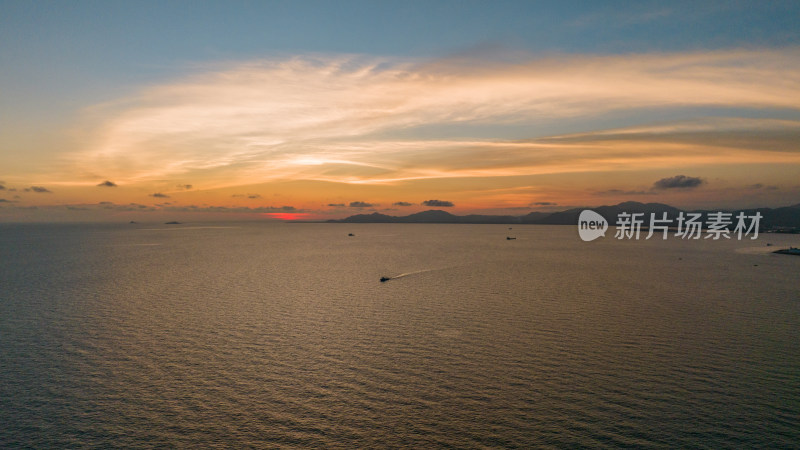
{"x": 407, "y": 274}
{"x": 412, "y": 273}
{"x": 756, "y": 250}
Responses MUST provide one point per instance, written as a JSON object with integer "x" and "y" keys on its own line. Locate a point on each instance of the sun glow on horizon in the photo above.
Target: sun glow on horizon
{"x": 290, "y": 216}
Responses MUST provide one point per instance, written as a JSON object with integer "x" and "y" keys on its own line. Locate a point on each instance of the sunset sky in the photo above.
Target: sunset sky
{"x": 312, "y": 110}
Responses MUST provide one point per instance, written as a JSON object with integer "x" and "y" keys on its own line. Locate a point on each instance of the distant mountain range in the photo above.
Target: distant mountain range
{"x": 772, "y": 218}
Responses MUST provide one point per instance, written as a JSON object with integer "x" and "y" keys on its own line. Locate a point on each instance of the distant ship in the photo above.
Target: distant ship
{"x": 385, "y": 279}
{"x": 508, "y": 238}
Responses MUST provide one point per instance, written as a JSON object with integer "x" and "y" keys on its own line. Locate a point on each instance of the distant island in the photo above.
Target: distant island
{"x": 784, "y": 219}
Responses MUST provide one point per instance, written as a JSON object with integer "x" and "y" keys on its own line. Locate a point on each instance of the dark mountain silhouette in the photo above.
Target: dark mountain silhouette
{"x": 783, "y": 217}
{"x": 772, "y": 218}
{"x": 477, "y": 218}
{"x": 610, "y": 213}
{"x": 534, "y": 217}
{"x": 369, "y": 218}
{"x": 431, "y": 216}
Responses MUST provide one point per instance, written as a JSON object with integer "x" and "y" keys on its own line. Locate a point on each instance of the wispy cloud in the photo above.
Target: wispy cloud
{"x": 360, "y": 205}
{"x": 439, "y": 203}
{"x": 38, "y": 190}
{"x": 331, "y": 118}
{"x": 678, "y": 182}
{"x": 757, "y": 186}
{"x": 248, "y": 196}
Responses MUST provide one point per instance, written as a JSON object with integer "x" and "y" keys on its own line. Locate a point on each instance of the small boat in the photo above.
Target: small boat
{"x": 510, "y": 238}
{"x": 350, "y": 234}
{"x": 788, "y": 251}
{"x": 385, "y": 279}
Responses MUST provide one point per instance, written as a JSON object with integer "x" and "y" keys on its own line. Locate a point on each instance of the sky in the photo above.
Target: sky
{"x": 312, "y": 110}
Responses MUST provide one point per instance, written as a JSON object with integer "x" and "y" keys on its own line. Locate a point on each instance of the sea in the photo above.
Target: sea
{"x": 281, "y": 335}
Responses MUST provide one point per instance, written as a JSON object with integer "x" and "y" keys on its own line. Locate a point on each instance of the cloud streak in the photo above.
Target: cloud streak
{"x": 438, "y": 203}
{"x": 337, "y": 118}
{"x": 39, "y": 190}
{"x": 678, "y": 182}
{"x": 360, "y": 205}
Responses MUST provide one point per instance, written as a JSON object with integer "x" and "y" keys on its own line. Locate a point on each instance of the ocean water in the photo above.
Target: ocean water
{"x": 281, "y": 335}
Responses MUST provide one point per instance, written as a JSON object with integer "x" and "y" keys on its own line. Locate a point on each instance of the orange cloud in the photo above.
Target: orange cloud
{"x": 375, "y": 122}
